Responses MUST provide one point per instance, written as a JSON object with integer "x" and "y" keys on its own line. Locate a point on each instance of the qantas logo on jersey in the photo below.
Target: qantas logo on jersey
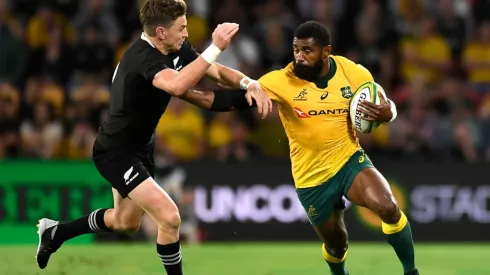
{"x": 301, "y": 114}
{"x": 328, "y": 112}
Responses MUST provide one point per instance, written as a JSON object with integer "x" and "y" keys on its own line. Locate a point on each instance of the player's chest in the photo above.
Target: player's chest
{"x": 308, "y": 101}
{"x": 175, "y": 61}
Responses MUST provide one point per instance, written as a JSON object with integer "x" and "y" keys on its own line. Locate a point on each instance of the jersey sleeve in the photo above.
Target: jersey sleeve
{"x": 153, "y": 70}
{"x": 153, "y": 63}
{"x": 269, "y": 83}
{"x": 361, "y": 75}
{"x": 356, "y": 73}
{"x": 189, "y": 54}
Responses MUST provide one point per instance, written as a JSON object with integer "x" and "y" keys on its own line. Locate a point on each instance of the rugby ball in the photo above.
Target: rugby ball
{"x": 369, "y": 92}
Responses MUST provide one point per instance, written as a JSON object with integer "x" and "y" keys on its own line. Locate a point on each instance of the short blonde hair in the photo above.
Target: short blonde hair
{"x": 154, "y": 13}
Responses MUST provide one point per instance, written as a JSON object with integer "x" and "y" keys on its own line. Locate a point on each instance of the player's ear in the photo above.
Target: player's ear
{"x": 327, "y": 51}
{"x": 160, "y": 31}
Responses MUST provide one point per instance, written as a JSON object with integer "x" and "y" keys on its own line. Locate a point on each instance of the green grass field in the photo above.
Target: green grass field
{"x": 245, "y": 259}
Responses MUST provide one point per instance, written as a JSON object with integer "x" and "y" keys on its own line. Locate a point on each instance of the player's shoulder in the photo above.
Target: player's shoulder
{"x": 142, "y": 49}
{"x": 343, "y": 62}
{"x": 355, "y": 73}
{"x": 348, "y": 66}
{"x": 278, "y": 75}
{"x": 273, "y": 75}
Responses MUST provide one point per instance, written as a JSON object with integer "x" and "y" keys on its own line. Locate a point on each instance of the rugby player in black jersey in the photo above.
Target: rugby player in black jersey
{"x": 159, "y": 65}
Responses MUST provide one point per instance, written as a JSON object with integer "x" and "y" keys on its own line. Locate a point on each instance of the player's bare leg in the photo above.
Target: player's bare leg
{"x": 370, "y": 189}
{"x": 158, "y": 204}
{"x": 335, "y": 242}
{"x": 124, "y": 217}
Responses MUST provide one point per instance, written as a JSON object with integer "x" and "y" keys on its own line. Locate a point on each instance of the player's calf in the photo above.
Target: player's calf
{"x": 335, "y": 247}
{"x": 122, "y": 223}
{"x": 151, "y": 197}
{"x": 335, "y": 258}
{"x": 126, "y": 226}
{"x": 399, "y": 236}
{"x": 370, "y": 189}
{"x": 396, "y": 227}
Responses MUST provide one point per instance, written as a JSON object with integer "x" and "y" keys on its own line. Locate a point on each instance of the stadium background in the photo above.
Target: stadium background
{"x": 229, "y": 172}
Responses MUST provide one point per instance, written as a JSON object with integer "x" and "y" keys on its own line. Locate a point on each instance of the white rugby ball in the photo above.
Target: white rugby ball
{"x": 368, "y": 92}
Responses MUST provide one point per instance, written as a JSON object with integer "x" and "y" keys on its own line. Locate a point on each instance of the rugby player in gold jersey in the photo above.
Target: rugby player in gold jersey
{"x": 313, "y": 94}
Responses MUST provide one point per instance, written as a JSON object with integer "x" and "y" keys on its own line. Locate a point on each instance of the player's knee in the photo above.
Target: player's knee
{"x": 126, "y": 225}
{"x": 338, "y": 251}
{"x": 172, "y": 219}
{"x": 389, "y": 212}
{"x": 129, "y": 227}
{"x": 169, "y": 219}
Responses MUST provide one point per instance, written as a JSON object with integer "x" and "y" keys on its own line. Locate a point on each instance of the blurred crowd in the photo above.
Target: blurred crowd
{"x": 431, "y": 56}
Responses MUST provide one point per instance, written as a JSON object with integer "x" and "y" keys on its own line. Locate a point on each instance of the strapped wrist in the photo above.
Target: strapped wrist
{"x": 211, "y": 54}
{"x": 246, "y": 82}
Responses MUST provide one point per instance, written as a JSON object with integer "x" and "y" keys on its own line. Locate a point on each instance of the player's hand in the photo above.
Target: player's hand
{"x": 380, "y": 113}
{"x": 223, "y": 33}
{"x": 264, "y": 103}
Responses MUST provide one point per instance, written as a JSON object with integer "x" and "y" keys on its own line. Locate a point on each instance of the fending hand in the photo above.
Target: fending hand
{"x": 264, "y": 103}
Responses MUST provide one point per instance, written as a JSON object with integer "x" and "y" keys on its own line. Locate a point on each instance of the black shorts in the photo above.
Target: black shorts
{"x": 124, "y": 169}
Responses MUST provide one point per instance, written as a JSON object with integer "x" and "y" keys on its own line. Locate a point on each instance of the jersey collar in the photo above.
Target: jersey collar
{"x": 322, "y": 82}
{"x": 143, "y": 37}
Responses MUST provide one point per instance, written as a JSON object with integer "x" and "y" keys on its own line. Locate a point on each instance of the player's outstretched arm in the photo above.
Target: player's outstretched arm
{"x": 178, "y": 83}
{"x": 225, "y": 101}
{"x": 231, "y": 78}
{"x": 228, "y": 77}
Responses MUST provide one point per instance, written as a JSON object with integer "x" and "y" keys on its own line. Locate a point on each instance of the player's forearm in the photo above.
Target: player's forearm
{"x": 189, "y": 76}
{"x": 178, "y": 83}
{"x": 229, "y": 77}
{"x": 393, "y": 109}
{"x": 202, "y": 99}
{"x": 392, "y": 104}
{"x": 218, "y": 101}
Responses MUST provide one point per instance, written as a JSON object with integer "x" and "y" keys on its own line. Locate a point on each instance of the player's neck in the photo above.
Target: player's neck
{"x": 327, "y": 73}
{"x": 156, "y": 43}
{"x": 326, "y": 68}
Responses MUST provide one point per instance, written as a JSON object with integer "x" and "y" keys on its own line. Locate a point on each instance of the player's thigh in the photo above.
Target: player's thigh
{"x": 156, "y": 203}
{"x": 124, "y": 171}
{"x": 147, "y": 158}
{"x": 371, "y": 190}
{"x": 333, "y": 232}
{"x": 321, "y": 202}
{"x": 127, "y": 214}
{"x": 369, "y": 186}
{"x": 324, "y": 199}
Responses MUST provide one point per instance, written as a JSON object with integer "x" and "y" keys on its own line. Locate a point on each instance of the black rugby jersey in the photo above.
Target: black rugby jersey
{"x": 135, "y": 104}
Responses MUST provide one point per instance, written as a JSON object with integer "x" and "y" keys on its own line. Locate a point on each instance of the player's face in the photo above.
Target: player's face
{"x": 174, "y": 36}
{"x": 309, "y": 58}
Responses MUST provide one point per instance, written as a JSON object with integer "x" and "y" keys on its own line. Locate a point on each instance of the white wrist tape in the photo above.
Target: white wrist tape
{"x": 393, "y": 110}
{"x": 211, "y": 54}
{"x": 244, "y": 86}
